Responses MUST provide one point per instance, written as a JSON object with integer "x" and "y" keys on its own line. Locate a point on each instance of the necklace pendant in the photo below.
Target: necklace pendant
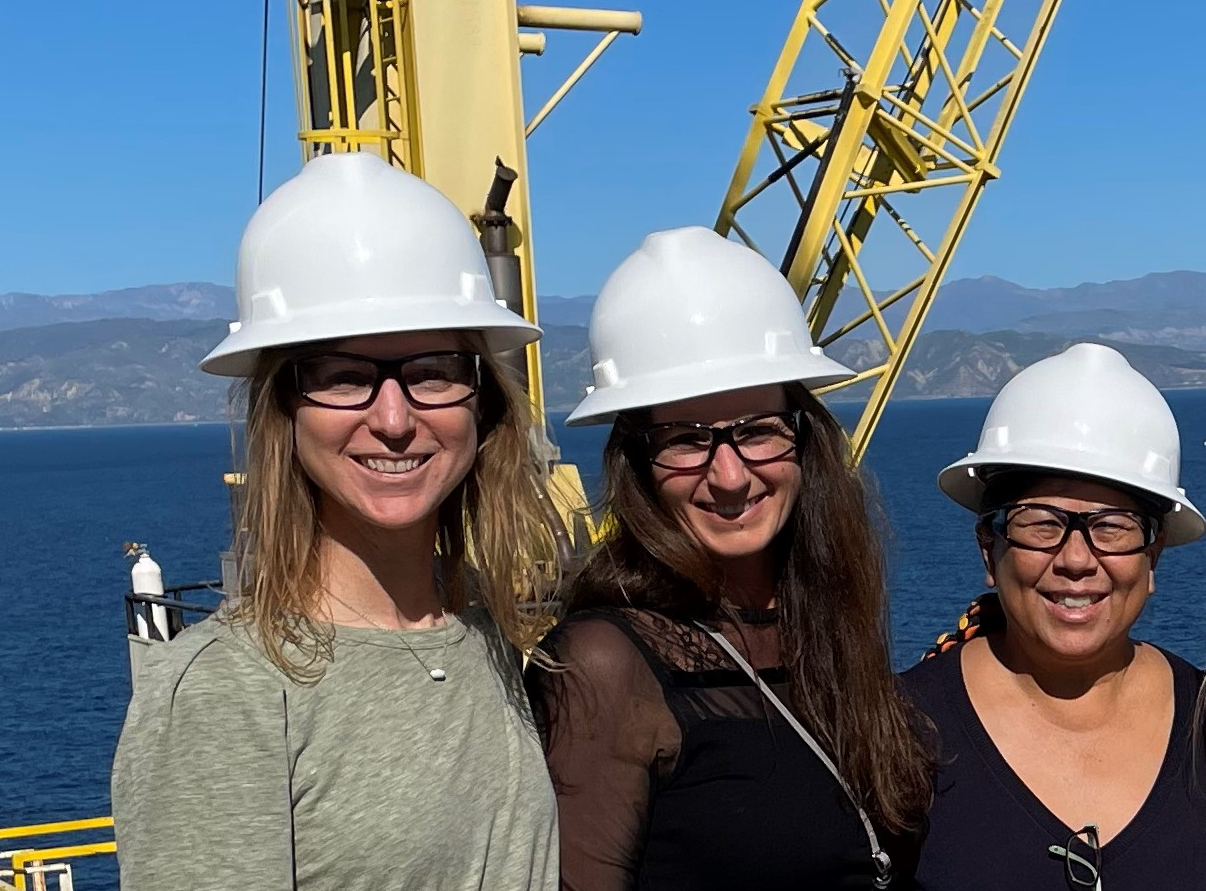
{"x": 437, "y": 674}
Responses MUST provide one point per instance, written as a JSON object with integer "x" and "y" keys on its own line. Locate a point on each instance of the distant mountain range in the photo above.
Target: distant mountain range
{"x": 124, "y": 371}
{"x": 131, "y": 356}
{"x": 1163, "y": 308}
{"x": 1166, "y": 308}
{"x": 186, "y": 300}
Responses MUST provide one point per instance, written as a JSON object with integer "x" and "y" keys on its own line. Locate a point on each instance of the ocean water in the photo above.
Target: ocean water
{"x": 70, "y": 498}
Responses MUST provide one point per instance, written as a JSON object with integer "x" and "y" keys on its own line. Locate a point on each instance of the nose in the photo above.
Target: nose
{"x": 1076, "y": 557}
{"x": 391, "y": 414}
{"x": 727, "y": 471}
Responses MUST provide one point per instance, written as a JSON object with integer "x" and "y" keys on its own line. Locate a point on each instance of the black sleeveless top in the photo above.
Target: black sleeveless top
{"x": 673, "y": 772}
{"x": 988, "y": 831}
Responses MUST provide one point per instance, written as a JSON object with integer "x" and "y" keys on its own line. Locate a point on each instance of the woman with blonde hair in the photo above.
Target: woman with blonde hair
{"x": 355, "y": 719}
{"x": 726, "y": 716}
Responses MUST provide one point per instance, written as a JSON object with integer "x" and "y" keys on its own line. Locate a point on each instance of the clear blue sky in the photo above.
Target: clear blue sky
{"x": 129, "y": 153}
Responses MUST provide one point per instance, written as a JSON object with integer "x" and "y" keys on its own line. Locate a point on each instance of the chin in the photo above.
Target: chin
{"x": 396, "y": 517}
{"x": 1074, "y": 647}
{"x": 729, "y": 549}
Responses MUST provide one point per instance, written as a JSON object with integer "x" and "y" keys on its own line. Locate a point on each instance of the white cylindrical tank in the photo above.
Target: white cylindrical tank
{"x": 147, "y": 578}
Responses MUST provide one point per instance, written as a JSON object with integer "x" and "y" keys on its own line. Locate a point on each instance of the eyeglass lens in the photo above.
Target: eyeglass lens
{"x": 683, "y": 446}
{"x": 346, "y": 381}
{"x": 1084, "y": 858}
{"x": 1043, "y": 527}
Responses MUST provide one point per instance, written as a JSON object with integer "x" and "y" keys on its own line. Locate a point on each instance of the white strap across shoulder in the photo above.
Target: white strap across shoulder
{"x": 883, "y": 863}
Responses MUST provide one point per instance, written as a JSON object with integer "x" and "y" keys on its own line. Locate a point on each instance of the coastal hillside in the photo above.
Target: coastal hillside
{"x": 109, "y": 371}
{"x": 140, "y": 371}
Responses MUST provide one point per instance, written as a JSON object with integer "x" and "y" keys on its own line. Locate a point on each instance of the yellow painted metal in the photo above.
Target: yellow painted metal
{"x": 568, "y": 84}
{"x": 21, "y": 858}
{"x": 434, "y": 86}
{"x": 467, "y": 76}
{"x": 532, "y": 43}
{"x": 567, "y": 18}
{"x": 907, "y": 125}
{"x": 354, "y": 74}
{"x": 55, "y": 828}
{"x": 566, "y": 492}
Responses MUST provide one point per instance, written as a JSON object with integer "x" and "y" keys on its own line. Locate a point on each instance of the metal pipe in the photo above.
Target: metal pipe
{"x": 170, "y": 603}
{"x": 505, "y": 272}
{"x": 379, "y": 76}
{"x": 500, "y": 188}
{"x": 328, "y": 38}
{"x": 568, "y": 19}
{"x": 531, "y": 43}
{"x": 582, "y": 68}
{"x": 807, "y": 99}
{"x": 556, "y": 527}
{"x": 797, "y": 235}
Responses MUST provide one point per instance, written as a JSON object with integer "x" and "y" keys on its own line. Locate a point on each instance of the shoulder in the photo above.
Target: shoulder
{"x": 935, "y": 688}
{"x": 593, "y": 638}
{"x": 211, "y": 656}
{"x": 934, "y": 675}
{"x": 208, "y": 690}
{"x": 1181, "y": 668}
{"x": 594, "y": 654}
{"x": 479, "y": 620}
{"x": 506, "y": 658}
{"x": 600, "y": 680}
{"x": 1187, "y": 678}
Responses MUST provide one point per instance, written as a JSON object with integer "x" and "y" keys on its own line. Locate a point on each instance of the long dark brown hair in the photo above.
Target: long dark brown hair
{"x": 831, "y": 593}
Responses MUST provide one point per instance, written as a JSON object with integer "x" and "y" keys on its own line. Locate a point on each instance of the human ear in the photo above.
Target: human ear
{"x": 985, "y": 540}
{"x": 1153, "y": 556}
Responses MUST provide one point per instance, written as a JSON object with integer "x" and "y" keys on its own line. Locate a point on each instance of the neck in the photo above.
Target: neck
{"x": 384, "y": 575}
{"x": 1046, "y": 675}
{"x": 750, "y": 581}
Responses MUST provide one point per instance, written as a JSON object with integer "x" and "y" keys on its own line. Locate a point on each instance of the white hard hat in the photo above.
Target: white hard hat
{"x": 691, "y": 313}
{"x": 352, "y": 246}
{"x": 1085, "y": 412}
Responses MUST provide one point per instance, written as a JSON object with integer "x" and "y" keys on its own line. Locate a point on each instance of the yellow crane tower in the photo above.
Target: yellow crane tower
{"x": 434, "y": 87}
{"x": 922, "y": 107}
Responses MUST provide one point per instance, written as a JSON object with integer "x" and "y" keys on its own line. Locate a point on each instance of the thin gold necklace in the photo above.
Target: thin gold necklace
{"x": 436, "y": 674}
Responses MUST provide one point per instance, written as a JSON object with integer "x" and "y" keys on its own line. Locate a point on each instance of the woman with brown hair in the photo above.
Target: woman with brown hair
{"x": 725, "y": 715}
{"x": 355, "y": 718}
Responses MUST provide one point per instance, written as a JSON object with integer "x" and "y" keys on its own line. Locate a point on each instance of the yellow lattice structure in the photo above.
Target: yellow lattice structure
{"x": 921, "y": 106}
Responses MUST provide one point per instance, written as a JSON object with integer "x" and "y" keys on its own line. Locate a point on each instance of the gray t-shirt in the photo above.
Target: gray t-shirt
{"x": 230, "y": 776}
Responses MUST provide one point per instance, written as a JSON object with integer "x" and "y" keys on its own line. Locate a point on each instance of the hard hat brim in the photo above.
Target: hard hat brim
{"x": 237, "y": 354}
{"x": 963, "y": 483}
{"x": 602, "y": 405}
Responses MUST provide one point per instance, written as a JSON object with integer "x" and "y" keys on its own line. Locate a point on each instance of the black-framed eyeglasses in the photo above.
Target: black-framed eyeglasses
{"x": 1034, "y": 526}
{"x": 758, "y": 439}
{"x": 1082, "y": 858}
{"x": 438, "y": 379}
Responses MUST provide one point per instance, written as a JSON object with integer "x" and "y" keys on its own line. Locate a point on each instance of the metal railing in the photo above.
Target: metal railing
{"x": 173, "y": 602}
{"x": 31, "y": 865}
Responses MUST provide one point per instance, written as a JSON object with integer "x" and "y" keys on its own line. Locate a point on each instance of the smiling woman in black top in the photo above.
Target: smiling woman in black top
{"x": 727, "y": 717}
{"x": 1065, "y": 745}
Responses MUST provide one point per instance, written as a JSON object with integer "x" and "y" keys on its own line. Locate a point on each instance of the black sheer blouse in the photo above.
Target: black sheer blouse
{"x": 673, "y": 772}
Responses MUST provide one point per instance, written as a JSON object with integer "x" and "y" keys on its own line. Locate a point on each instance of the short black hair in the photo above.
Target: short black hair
{"x": 1006, "y": 485}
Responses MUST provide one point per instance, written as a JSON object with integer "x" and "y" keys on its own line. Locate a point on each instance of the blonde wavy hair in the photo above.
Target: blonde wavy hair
{"x": 493, "y": 520}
